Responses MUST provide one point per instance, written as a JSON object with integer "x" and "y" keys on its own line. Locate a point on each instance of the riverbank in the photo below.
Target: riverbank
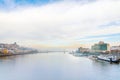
{"x": 112, "y": 58}
{"x": 21, "y": 53}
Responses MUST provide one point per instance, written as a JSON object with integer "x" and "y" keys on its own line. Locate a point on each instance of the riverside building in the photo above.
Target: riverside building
{"x": 101, "y": 47}
{"x": 83, "y": 50}
{"x": 115, "y": 49}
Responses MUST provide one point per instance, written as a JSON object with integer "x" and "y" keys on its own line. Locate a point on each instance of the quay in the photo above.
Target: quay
{"x": 6, "y": 52}
{"x": 5, "y": 55}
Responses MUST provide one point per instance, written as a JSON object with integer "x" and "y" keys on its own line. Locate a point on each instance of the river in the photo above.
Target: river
{"x": 56, "y": 66}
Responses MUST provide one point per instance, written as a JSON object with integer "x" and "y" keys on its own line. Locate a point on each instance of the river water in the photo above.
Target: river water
{"x": 56, "y": 66}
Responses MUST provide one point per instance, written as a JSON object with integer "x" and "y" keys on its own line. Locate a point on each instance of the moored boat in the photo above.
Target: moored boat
{"x": 110, "y": 59}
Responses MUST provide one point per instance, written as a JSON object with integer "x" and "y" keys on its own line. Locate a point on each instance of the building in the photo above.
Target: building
{"x": 83, "y": 50}
{"x": 9, "y": 46}
{"x": 15, "y": 49}
{"x": 101, "y": 47}
{"x": 115, "y": 49}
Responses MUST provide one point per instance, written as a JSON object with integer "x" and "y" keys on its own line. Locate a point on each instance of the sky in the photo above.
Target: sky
{"x": 59, "y": 23}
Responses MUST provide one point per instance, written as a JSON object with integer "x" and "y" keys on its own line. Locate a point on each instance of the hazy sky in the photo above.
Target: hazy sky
{"x": 59, "y": 23}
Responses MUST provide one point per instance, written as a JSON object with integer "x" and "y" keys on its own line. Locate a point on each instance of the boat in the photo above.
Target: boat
{"x": 110, "y": 59}
{"x": 107, "y": 58}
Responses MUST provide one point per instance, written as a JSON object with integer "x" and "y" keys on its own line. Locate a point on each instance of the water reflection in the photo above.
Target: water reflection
{"x": 55, "y": 66}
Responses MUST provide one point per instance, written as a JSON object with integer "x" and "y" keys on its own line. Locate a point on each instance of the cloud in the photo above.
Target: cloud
{"x": 60, "y": 22}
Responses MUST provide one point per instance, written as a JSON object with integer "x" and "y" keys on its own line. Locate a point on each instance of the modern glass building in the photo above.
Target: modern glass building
{"x": 101, "y": 47}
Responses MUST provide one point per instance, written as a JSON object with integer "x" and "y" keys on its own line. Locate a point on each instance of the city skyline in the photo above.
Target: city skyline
{"x": 59, "y": 23}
